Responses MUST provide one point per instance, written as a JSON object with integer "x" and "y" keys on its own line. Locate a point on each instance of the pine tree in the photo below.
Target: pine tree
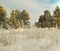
{"x": 57, "y": 16}
{"x": 25, "y": 16}
{"x": 3, "y": 17}
{"x": 13, "y": 21}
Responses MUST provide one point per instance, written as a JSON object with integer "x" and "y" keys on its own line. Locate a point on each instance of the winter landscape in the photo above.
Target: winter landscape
{"x": 30, "y": 25}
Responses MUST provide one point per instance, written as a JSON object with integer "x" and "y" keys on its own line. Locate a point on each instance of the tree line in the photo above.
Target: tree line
{"x": 17, "y": 18}
{"x": 48, "y": 20}
{"x": 21, "y": 19}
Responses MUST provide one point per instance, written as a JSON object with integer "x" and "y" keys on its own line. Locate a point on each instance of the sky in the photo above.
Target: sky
{"x": 34, "y": 7}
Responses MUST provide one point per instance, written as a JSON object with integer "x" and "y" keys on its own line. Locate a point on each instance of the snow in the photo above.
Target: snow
{"x": 34, "y": 39}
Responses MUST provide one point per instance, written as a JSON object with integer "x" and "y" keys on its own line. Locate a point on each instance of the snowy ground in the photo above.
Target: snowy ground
{"x": 30, "y": 39}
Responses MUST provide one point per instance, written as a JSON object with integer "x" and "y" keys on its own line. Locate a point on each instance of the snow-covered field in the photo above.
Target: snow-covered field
{"x": 35, "y": 39}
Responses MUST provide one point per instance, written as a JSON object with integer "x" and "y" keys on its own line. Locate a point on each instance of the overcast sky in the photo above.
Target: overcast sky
{"x": 34, "y": 7}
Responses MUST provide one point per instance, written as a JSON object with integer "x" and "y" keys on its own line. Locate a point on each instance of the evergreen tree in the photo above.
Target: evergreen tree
{"x": 57, "y": 12}
{"x": 13, "y": 21}
{"x": 25, "y": 16}
{"x": 3, "y": 17}
{"x": 46, "y": 20}
{"x": 57, "y": 16}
